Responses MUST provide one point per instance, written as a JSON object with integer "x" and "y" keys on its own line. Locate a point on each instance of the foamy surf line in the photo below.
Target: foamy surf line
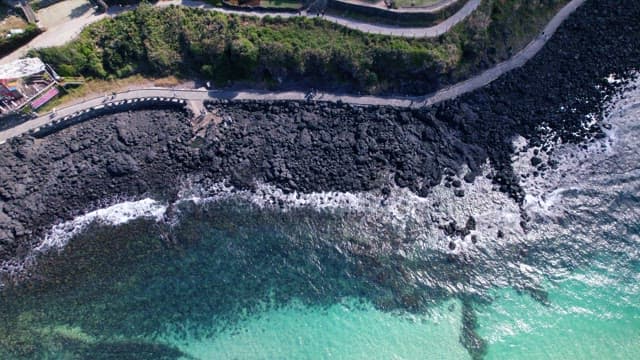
{"x": 60, "y": 234}
{"x": 398, "y": 208}
{"x": 492, "y": 210}
{"x": 581, "y": 166}
{"x": 425, "y": 219}
{"x": 401, "y": 209}
{"x": 117, "y": 214}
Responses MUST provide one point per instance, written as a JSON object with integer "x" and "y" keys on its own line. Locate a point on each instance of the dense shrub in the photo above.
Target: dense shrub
{"x": 198, "y": 43}
{"x": 8, "y": 45}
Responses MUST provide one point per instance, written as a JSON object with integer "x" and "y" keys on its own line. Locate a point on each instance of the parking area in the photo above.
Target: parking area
{"x": 60, "y": 13}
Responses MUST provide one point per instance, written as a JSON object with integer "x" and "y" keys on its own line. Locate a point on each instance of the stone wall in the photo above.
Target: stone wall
{"x": 398, "y": 17}
{"x": 151, "y": 103}
{"x": 227, "y": 5}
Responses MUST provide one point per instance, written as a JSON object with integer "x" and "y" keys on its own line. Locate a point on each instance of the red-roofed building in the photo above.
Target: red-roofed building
{"x": 24, "y": 81}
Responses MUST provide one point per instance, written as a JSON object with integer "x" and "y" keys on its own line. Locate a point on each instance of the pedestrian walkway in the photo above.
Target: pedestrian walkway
{"x": 190, "y": 95}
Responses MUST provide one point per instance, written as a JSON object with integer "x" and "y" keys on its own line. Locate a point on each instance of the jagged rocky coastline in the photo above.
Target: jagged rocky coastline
{"x": 319, "y": 146}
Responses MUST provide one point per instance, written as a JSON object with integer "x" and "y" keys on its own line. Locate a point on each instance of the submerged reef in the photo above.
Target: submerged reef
{"x": 297, "y": 148}
{"x": 317, "y": 146}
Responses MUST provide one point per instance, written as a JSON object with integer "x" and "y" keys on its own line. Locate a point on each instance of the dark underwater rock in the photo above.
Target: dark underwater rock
{"x": 315, "y": 146}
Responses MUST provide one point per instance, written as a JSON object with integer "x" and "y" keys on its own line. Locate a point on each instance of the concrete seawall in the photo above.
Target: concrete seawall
{"x": 398, "y": 17}
{"x": 258, "y": 8}
{"x": 108, "y": 108}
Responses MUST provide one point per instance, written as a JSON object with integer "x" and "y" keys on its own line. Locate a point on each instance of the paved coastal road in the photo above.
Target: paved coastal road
{"x": 518, "y": 60}
{"x": 412, "y": 32}
{"x": 418, "y": 101}
{"x": 64, "y": 32}
{"x": 435, "y": 7}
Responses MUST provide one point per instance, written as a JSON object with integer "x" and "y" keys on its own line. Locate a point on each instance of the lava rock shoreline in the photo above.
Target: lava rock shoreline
{"x": 319, "y": 146}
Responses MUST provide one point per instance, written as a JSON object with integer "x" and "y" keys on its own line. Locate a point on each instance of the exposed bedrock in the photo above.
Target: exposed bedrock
{"x": 43, "y": 181}
{"x": 320, "y": 146}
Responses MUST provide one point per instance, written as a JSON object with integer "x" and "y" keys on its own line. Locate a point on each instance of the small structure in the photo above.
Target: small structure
{"x": 26, "y": 82}
{"x": 26, "y": 9}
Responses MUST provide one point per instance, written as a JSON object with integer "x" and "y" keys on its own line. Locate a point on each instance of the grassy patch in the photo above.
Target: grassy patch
{"x": 41, "y": 4}
{"x": 217, "y": 3}
{"x": 226, "y": 48}
{"x": 10, "y": 19}
{"x": 396, "y": 21}
{"x": 9, "y": 44}
{"x": 283, "y": 4}
{"x": 276, "y": 4}
{"x": 99, "y": 87}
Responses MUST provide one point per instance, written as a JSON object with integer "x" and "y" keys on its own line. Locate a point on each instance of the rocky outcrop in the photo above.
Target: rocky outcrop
{"x": 321, "y": 146}
{"x": 43, "y": 181}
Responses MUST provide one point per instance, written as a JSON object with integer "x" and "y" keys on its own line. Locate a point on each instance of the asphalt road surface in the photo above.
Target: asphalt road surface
{"x": 418, "y": 101}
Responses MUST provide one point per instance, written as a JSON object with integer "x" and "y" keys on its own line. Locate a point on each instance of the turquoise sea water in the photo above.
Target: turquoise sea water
{"x": 589, "y": 316}
{"x": 240, "y": 295}
{"x": 340, "y": 331}
{"x": 592, "y": 314}
{"x": 233, "y": 280}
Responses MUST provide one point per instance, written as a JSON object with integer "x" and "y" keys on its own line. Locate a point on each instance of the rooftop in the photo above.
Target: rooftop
{"x": 21, "y": 68}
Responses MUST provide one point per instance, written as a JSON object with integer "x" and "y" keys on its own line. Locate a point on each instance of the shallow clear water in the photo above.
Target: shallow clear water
{"x": 340, "y": 331}
{"x": 352, "y": 276}
{"x": 590, "y": 315}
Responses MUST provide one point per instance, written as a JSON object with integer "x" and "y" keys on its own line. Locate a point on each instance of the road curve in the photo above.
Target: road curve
{"x": 63, "y": 33}
{"x": 435, "y": 7}
{"x": 411, "y": 32}
{"x": 413, "y": 102}
{"x": 380, "y": 29}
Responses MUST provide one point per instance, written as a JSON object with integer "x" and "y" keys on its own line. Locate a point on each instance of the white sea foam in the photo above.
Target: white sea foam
{"x": 491, "y": 209}
{"x": 586, "y": 205}
{"x": 60, "y": 234}
{"x": 548, "y": 198}
{"x": 118, "y": 214}
{"x": 372, "y": 218}
{"x": 613, "y": 79}
{"x": 420, "y": 218}
{"x": 403, "y": 210}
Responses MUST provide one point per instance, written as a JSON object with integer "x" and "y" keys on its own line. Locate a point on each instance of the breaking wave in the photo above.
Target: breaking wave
{"x": 481, "y": 234}
{"x": 117, "y": 214}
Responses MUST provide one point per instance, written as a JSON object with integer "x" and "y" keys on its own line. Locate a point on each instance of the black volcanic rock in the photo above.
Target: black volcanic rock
{"x": 316, "y": 146}
{"x": 122, "y": 164}
{"x": 352, "y": 149}
{"x": 43, "y": 181}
